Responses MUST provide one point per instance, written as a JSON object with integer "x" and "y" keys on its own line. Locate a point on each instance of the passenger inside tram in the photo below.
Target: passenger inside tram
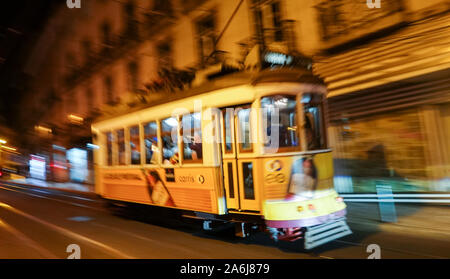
{"x": 170, "y": 151}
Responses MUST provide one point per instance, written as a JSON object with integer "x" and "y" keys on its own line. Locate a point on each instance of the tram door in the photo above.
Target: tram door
{"x": 238, "y": 166}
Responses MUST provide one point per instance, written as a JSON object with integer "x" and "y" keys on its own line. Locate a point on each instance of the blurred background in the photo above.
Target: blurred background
{"x": 387, "y": 71}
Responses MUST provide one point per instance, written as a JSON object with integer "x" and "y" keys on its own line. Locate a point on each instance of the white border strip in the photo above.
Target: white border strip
{"x": 395, "y": 195}
{"x": 397, "y": 201}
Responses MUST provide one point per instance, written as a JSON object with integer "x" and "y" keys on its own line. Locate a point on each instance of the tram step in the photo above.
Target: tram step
{"x": 321, "y": 234}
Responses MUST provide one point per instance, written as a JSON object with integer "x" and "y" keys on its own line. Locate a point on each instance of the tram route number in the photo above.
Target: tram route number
{"x": 242, "y": 269}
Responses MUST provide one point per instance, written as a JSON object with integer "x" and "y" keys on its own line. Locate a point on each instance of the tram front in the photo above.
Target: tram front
{"x": 300, "y": 200}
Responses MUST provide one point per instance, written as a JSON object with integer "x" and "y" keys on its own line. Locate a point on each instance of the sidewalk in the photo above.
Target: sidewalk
{"x": 413, "y": 216}
{"x": 63, "y": 186}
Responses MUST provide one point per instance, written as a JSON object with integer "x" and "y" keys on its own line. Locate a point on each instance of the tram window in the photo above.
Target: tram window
{"x": 151, "y": 143}
{"x": 285, "y": 136}
{"x": 192, "y": 137}
{"x": 244, "y": 130}
{"x": 121, "y": 145}
{"x": 135, "y": 146}
{"x": 169, "y": 135}
{"x": 109, "y": 151}
{"x": 313, "y": 125}
{"x": 249, "y": 189}
{"x": 228, "y": 116}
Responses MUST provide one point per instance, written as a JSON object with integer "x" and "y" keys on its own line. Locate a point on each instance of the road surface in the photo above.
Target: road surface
{"x": 49, "y": 224}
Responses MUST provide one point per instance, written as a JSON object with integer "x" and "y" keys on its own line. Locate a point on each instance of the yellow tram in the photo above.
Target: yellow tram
{"x": 247, "y": 148}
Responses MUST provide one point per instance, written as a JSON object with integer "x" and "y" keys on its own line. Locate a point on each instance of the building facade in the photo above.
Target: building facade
{"x": 386, "y": 68}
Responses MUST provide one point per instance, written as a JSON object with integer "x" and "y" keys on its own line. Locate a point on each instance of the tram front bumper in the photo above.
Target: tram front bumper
{"x": 306, "y": 222}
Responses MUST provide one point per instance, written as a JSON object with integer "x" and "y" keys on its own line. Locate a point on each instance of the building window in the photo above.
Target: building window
{"x": 189, "y": 5}
{"x": 206, "y": 38}
{"x": 163, "y": 6}
{"x": 89, "y": 100}
{"x": 192, "y": 137}
{"x": 151, "y": 143}
{"x": 131, "y": 24}
{"x": 71, "y": 64}
{"x": 132, "y": 78}
{"x": 87, "y": 50}
{"x": 268, "y": 20}
{"x": 109, "y": 90}
{"x": 165, "y": 61}
{"x": 106, "y": 35}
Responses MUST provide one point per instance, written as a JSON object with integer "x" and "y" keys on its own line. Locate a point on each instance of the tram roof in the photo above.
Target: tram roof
{"x": 230, "y": 80}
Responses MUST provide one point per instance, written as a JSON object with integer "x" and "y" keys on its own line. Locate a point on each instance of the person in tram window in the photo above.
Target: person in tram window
{"x": 170, "y": 151}
{"x": 310, "y": 134}
{"x": 196, "y": 147}
{"x": 149, "y": 150}
{"x": 135, "y": 154}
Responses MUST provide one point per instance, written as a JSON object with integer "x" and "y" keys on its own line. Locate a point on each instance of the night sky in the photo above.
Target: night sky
{"x": 21, "y": 21}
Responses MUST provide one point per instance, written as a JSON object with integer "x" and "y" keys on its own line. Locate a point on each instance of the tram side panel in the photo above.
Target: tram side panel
{"x": 195, "y": 189}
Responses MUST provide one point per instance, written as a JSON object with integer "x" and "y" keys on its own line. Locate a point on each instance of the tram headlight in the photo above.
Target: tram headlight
{"x": 299, "y": 208}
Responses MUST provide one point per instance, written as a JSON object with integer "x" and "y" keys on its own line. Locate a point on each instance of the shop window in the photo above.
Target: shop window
{"x": 192, "y": 137}
{"x": 151, "y": 143}
{"x": 169, "y": 137}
